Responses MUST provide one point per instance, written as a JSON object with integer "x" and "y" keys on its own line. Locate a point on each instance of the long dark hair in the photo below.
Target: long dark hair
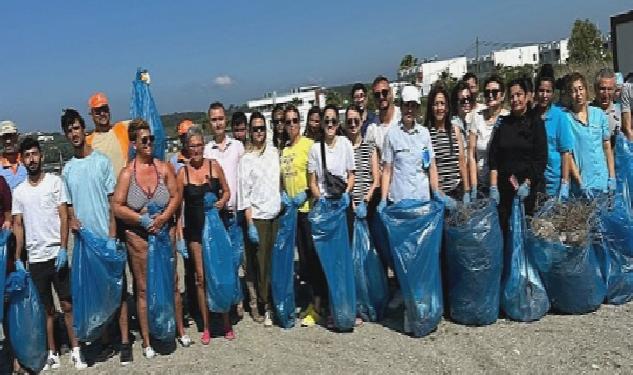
{"x": 460, "y": 86}
{"x": 308, "y": 132}
{"x": 279, "y": 141}
{"x": 429, "y": 119}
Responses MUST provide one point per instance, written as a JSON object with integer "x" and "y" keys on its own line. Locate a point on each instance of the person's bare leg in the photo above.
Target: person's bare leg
{"x": 50, "y": 328}
{"x": 67, "y": 308}
{"x": 123, "y": 322}
{"x": 196, "y": 252}
{"x": 138, "y": 248}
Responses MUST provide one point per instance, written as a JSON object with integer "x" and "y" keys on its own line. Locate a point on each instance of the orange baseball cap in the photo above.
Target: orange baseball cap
{"x": 184, "y": 126}
{"x": 98, "y": 100}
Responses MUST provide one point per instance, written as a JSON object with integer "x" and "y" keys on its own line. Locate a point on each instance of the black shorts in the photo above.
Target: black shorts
{"x": 45, "y": 277}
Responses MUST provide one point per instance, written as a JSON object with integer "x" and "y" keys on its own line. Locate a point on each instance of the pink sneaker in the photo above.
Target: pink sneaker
{"x": 206, "y": 337}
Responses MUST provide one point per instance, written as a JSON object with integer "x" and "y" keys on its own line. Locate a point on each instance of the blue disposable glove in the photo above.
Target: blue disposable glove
{"x": 494, "y": 194}
{"x": 381, "y": 206}
{"x": 345, "y": 199}
{"x": 585, "y": 191}
{"x": 253, "y": 236}
{"x": 145, "y": 221}
{"x": 473, "y": 194}
{"x": 449, "y": 202}
{"x": 19, "y": 266}
{"x": 181, "y": 247}
{"x": 466, "y": 198}
{"x": 285, "y": 199}
{"x": 361, "y": 210}
{"x": 563, "y": 193}
{"x": 111, "y": 245}
{"x": 61, "y": 260}
{"x": 523, "y": 191}
{"x": 300, "y": 198}
{"x": 611, "y": 184}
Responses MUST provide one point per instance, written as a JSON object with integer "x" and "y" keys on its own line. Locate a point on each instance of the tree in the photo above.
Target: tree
{"x": 334, "y": 97}
{"x": 585, "y": 43}
{"x": 407, "y": 61}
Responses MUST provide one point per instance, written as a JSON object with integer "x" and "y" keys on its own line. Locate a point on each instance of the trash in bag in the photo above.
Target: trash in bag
{"x": 473, "y": 259}
{"x": 220, "y": 273}
{"x": 282, "y": 268}
{"x": 567, "y": 261}
{"x": 142, "y": 106}
{"x": 97, "y": 283}
{"x": 524, "y": 296}
{"x": 27, "y": 321}
{"x": 614, "y": 246}
{"x": 160, "y": 282}
{"x": 372, "y": 290}
{"x": 4, "y": 254}
{"x": 328, "y": 221}
{"x": 415, "y": 236}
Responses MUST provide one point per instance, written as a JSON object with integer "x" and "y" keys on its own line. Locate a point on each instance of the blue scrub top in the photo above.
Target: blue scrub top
{"x": 559, "y": 140}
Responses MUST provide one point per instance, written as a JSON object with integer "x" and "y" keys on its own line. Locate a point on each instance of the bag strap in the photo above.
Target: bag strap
{"x": 323, "y": 163}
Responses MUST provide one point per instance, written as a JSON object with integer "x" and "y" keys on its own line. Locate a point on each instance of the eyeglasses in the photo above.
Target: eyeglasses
{"x": 381, "y": 94}
{"x": 147, "y": 139}
{"x": 491, "y": 92}
{"x": 330, "y": 122}
{"x": 258, "y": 129}
{"x": 353, "y": 122}
{"x": 293, "y": 121}
{"x": 465, "y": 100}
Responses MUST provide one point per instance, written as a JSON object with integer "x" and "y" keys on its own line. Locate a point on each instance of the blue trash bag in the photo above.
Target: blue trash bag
{"x": 328, "y": 221}
{"x": 142, "y": 106}
{"x": 282, "y": 268}
{"x": 4, "y": 253}
{"x": 415, "y": 236}
{"x": 372, "y": 290}
{"x": 234, "y": 228}
{"x": 380, "y": 239}
{"x": 473, "y": 260}
{"x": 614, "y": 246}
{"x": 624, "y": 163}
{"x": 97, "y": 283}
{"x": 160, "y": 282}
{"x": 524, "y": 296}
{"x": 27, "y": 321}
{"x": 220, "y": 273}
{"x": 571, "y": 274}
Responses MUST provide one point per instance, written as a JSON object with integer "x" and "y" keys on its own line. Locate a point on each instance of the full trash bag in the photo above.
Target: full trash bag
{"x": 220, "y": 271}
{"x": 328, "y": 221}
{"x": 624, "y": 163}
{"x": 160, "y": 282}
{"x": 473, "y": 259}
{"x": 234, "y": 225}
{"x": 614, "y": 246}
{"x": 571, "y": 274}
{"x": 97, "y": 283}
{"x": 142, "y": 106}
{"x": 372, "y": 290}
{"x": 380, "y": 239}
{"x": 4, "y": 254}
{"x": 415, "y": 236}
{"x": 282, "y": 268}
{"x": 27, "y": 321}
{"x": 524, "y": 296}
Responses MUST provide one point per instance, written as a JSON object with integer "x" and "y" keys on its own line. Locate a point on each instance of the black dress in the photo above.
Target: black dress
{"x": 193, "y": 196}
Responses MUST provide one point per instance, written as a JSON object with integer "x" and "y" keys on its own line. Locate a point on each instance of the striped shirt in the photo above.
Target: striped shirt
{"x": 447, "y": 162}
{"x": 363, "y": 176}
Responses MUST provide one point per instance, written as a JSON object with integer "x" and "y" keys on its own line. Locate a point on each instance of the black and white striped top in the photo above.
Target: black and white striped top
{"x": 447, "y": 162}
{"x": 362, "y": 177}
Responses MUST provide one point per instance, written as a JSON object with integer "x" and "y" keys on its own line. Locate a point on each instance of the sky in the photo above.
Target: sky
{"x": 55, "y": 54}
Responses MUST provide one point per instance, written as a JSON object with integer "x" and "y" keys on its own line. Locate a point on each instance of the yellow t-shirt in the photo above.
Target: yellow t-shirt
{"x": 108, "y": 144}
{"x": 294, "y": 169}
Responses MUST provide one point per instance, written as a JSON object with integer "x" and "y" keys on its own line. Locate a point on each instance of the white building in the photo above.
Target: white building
{"x": 556, "y": 52}
{"x": 429, "y": 71}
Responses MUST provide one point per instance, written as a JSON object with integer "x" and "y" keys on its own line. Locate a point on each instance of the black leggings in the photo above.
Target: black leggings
{"x": 310, "y": 269}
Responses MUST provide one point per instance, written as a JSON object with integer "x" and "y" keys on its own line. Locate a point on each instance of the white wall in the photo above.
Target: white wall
{"x": 518, "y": 56}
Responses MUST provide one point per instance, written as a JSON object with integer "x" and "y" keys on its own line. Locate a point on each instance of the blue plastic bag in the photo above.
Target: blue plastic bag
{"x": 282, "y": 268}
{"x": 160, "y": 282}
{"x": 142, "y": 106}
{"x": 614, "y": 246}
{"x": 4, "y": 236}
{"x": 97, "y": 283}
{"x": 524, "y": 296}
{"x": 234, "y": 228}
{"x": 473, "y": 260}
{"x": 571, "y": 274}
{"x": 415, "y": 236}
{"x": 624, "y": 163}
{"x": 380, "y": 239}
{"x": 220, "y": 272}
{"x": 372, "y": 290}
{"x": 328, "y": 221}
{"x": 27, "y": 321}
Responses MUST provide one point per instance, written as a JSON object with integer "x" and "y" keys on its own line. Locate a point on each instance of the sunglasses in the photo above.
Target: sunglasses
{"x": 353, "y": 122}
{"x": 465, "y": 100}
{"x": 258, "y": 129}
{"x": 491, "y": 92}
{"x": 147, "y": 139}
{"x": 330, "y": 122}
{"x": 100, "y": 110}
{"x": 381, "y": 94}
{"x": 293, "y": 121}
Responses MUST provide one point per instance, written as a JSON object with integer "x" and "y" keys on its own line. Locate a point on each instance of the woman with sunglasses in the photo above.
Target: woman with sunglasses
{"x": 480, "y": 133}
{"x": 280, "y": 136}
{"x": 197, "y": 178}
{"x": 146, "y": 181}
{"x": 463, "y": 108}
{"x": 518, "y": 154}
{"x": 313, "y": 124}
{"x": 259, "y": 199}
{"x": 448, "y": 145}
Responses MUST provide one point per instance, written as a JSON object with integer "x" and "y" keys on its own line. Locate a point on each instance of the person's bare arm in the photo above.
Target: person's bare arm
{"x": 180, "y": 180}
{"x": 463, "y": 169}
{"x": 387, "y": 172}
{"x": 626, "y": 125}
{"x": 63, "y": 224}
{"x": 314, "y": 186}
{"x": 573, "y": 169}
{"x": 472, "y": 160}
{"x": 608, "y": 153}
{"x": 351, "y": 178}
{"x": 433, "y": 177}
{"x": 493, "y": 177}
{"x": 565, "y": 158}
{"x": 119, "y": 199}
{"x": 18, "y": 231}
{"x": 174, "y": 199}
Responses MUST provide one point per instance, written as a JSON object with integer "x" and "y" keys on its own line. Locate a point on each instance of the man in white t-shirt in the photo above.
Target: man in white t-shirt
{"x": 40, "y": 217}
{"x": 388, "y": 113}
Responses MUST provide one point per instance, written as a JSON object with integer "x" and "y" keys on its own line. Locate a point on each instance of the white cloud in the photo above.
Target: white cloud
{"x": 223, "y": 80}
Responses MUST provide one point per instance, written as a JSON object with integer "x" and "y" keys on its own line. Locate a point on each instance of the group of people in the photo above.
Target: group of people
{"x": 461, "y": 151}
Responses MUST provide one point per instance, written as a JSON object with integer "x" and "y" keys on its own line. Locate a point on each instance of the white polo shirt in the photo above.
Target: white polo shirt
{"x": 228, "y": 154}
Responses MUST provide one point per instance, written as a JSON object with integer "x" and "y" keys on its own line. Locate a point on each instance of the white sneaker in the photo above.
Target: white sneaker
{"x": 52, "y": 362}
{"x": 407, "y": 325}
{"x": 268, "y": 321}
{"x": 148, "y": 352}
{"x": 396, "y": 301}
{"x": 185, "y": 341}
{"x": 77, "y": 359}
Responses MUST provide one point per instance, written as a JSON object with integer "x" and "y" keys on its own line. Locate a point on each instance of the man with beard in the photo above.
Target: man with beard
{"x": 89, "y": 185}
{"x": 359, "y": 97}
{"x": 111, "y": 140}
{"x": 388, "y": 113}
{"x": 40, "y": 221}
{"x": 12, "y": 169}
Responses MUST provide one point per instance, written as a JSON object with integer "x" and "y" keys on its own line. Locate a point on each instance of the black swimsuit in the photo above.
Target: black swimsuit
{"x": 193, "y": 196}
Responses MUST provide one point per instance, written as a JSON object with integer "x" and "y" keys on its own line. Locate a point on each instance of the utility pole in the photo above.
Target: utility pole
{"x": 477, "y": 54}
